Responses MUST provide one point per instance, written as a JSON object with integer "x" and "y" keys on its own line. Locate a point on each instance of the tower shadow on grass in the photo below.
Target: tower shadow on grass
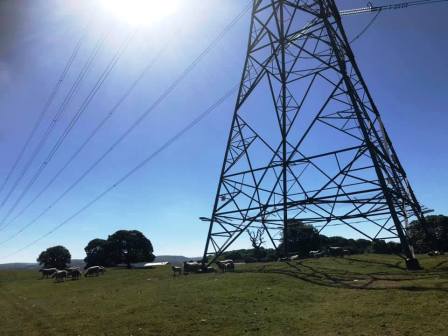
{"x": 443, "y": 265}
{"x": 308, "y": 271}
{"x": 395, "y": 265}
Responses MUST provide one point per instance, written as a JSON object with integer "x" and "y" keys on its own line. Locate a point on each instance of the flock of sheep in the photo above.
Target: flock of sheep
{"x": 72, "y": 272}
{"x": 197, "y": 267}
{"x": 75, "y": 273}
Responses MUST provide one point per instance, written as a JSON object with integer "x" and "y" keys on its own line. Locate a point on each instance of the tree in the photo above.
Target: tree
{"x": 394, "y": 247}
{"x": 438, "y": 234}
{"x": 97, "y": 253}
{"x": 57, "y": 256}
{"x": 121, "y": 247}
{"x": 129, "y": 247}
{"x": 256, "y": 238}
{"x": 361, "y": 245}
{"x": 302, "y": 238}
{"x": 234, "y": 255}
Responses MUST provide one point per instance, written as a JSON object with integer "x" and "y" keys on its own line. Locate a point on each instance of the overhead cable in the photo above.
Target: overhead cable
{"x": 44, "y": 110}
{"x": 56, "y": 118}
{"x": 104, "y": 75}
{"x": 95, "y": 131}
{"x": 364, "y": 30}
{"x": 134, "y": 170}
{"x": 400, "y": 5}
{"x": 143, "y": 116}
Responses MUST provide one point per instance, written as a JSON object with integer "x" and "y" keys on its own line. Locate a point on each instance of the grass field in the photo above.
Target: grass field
{"x": 358, "y": 295}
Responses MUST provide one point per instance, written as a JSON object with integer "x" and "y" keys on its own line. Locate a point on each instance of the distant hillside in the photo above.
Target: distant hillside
{"x": 25, "y": 266}
{"x": 19, "y": 266}
{"x": 79, "y": 262}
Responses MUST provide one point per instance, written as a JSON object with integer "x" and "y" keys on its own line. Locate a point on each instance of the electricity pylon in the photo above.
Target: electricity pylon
{"x": 307, "y": 142}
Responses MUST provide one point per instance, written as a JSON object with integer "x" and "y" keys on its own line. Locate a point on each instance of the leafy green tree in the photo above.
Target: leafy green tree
{"x": 437, "y": 237}
{"x": 361, "y": 245}
{"x": 394, "y": 247}
{"x": 56, "y": 256}
{"x": 382, "y": 247}
{"x": 234, "y": 255}
{"x": 356, "y": 246}
{"x": 97, "y": 253}
{"x": 251, "y": 255}
{"x": 302, "y": 238}
{"x": 338, "y": 241}
{"x": 121, "y": 247}
{"x": 129, "y": 247}
{"x": 271, "y": 255}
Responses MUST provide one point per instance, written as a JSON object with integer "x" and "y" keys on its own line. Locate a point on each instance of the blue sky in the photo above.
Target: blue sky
{"x": 403, "y": 59}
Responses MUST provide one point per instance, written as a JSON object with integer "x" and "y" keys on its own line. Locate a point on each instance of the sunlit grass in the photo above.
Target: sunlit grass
{"x": 360, "y": 295}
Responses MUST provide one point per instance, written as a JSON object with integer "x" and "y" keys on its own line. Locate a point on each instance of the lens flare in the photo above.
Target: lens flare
{"x": 141, "y": 12}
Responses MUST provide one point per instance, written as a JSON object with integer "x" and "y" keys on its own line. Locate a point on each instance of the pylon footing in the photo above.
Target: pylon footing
{"x": 412, "y": 264}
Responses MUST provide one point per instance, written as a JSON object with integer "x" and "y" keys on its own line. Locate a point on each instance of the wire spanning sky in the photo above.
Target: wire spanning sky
{"x": 402, "y": 57}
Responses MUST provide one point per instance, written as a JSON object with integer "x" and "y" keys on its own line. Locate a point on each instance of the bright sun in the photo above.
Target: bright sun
{"x": 141, "y": 12}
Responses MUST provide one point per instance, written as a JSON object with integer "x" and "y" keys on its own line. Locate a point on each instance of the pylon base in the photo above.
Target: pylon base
{"x": 412, "y": 264}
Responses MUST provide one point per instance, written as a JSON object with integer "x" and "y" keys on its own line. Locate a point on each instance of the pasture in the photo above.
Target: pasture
{"x": 358, "y": 295}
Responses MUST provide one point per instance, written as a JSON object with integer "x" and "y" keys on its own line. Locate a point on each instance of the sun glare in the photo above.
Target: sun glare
{"x": 141, "y": 12}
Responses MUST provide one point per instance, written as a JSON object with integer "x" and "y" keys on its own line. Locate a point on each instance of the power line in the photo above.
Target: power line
{"x": 95, "y": 131}
{"x": 364, "y": 30}
{"x": 379, "y": 9}
{"x": 56, "y": 117}
{"x": 105, "y": 74}
{"x": 131, "y": 172}
{"x": 140, "y": 119}
{"x": 44, "y": 110}
{"x": 399, "y": 5}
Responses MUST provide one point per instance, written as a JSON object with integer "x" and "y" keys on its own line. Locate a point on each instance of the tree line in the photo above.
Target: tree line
{"x": 303, "y": 238}
{"x": 131, "y": 246}
{"x": 122, "y": 247}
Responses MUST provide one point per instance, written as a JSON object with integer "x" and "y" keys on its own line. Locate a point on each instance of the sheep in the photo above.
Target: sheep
{"x": 192, "y": 267}
{"x": 60, "y": 276}
{"x": 74, "y": 273}
{"x": 94, "y": 270}
{"x": 435, "y": 253}
{"x": 47, "y": 272}
{"x": 176, "y": 270}
{"x": 316, "y": 254}
{"x": 221, "y": 266}
{"x": 226, "y": 265}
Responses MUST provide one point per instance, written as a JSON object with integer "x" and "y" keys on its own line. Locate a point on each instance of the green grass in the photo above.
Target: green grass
{"x": 360, "y": 295}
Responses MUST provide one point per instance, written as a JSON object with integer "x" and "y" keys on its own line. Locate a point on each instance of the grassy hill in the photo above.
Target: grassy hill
{"x": 35, "y": 266}
{"x": 360, "y": 295}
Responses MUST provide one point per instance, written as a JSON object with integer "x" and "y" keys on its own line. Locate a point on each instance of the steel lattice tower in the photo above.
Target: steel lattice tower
{"x": 307, "y": 142}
